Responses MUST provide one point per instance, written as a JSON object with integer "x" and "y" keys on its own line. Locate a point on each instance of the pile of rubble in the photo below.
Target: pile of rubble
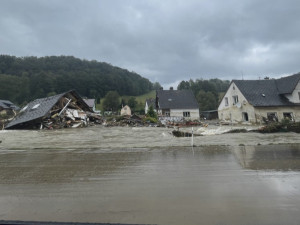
{"x": 66, "y": 110}
{"x": 70, "y": 116}
{"x": 132, "y": 121}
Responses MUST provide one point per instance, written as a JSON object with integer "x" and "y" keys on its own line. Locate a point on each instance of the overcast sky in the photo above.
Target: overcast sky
{"x": 163, "y": 40}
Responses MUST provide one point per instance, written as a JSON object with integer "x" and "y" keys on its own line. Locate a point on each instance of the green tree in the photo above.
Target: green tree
{"x": 132, "y": 103}
{"x": 206, "y": 101}
{"x": 111, "y": 101}
{"x": 156, "y": 86}
{"x": 151, "y": 113}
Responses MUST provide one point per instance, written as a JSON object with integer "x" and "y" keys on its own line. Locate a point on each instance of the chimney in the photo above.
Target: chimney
{"x": 171, "y": 88}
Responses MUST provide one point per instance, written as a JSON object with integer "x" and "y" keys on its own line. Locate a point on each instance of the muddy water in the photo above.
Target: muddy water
{"x": 146, "y": 176}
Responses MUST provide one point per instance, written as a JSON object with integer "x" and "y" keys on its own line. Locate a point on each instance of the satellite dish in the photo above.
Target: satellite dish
{"x": 239, "y": 105}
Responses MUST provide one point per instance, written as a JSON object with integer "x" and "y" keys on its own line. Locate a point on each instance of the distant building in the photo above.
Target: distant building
{"x": 177, "y": 103}
{"x": 256, "y": 101}
{"x": 149, "y": 102}
{"x": 126, "y": 111}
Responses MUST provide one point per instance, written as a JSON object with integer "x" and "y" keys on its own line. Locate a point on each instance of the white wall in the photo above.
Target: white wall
{"x": 194, "y": 113}
{"x": 232, "y": 91}
{"x": 294, "y": 97}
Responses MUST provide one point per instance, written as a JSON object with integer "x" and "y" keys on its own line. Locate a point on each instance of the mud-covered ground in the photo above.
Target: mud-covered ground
{"x": 147, "y": 176}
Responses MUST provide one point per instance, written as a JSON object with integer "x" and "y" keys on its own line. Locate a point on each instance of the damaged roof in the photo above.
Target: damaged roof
{"x": 176, "y": 99}
{"x": 5, "y": 104}
{"x": 39, "y": 108}
{"x": 90, "y": 102}
{"x": 268, "y": 92}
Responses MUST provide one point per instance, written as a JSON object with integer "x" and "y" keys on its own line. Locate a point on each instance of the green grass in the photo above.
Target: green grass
{"x": 141, "y": 99}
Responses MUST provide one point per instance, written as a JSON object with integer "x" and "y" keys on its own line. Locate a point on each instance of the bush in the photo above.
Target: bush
{"x": 150, "y": 119}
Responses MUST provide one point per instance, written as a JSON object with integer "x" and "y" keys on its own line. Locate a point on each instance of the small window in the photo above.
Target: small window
{"x": 233, "y": 87}
{"x": 167, "y": 113}
{"x": 272, "y": 117}
{"x": 288, "y": 115}
{"x": 186, "y": 114}
{"x": 226, "y": 101}
{"x": 235, "y": 99}
{"x": 35, "y": 106}
{"x": 299, "y": 95}
{"x": 22, "y": 110}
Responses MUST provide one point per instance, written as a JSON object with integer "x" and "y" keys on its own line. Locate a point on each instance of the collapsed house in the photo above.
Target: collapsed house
{"x": 60, "y": 111}
{"x": 7, "y": 111}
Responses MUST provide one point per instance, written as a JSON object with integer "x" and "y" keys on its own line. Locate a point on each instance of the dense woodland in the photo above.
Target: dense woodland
{"x": 23, "y": 79}
{"x": 207, "y": 92}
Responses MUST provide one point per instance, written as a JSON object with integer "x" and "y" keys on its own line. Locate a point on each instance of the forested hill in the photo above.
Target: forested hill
{"x": 23, "y": 79}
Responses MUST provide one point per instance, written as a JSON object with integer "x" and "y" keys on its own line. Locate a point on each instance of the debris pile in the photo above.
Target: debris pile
{"x": 132, "y": 121}
{"x": 66, "y": 110}
{"x": 67, "y": 114}
{"x": 178, "y": 133}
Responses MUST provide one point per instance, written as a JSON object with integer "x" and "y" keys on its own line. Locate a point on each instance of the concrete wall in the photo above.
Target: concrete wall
{"x": 194, "y": 113}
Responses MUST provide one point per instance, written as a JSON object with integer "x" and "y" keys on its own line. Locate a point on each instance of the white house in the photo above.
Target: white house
{"x": 177, "y": 103}
{"x": 256, "y": 101}
{"x": 126, "y": 111}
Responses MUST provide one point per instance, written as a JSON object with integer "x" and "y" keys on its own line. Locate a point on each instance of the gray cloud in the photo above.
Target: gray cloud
{"x": 165, "y": 41}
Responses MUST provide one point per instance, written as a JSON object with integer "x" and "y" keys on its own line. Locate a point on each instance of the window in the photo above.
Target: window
{"x": 299, "y": 95}
{"x": 288, "y": 115}
{"x": 226, "y": 101}
{"x": 235, "y": 99}
{"x": 272, "y": 117}
{"x": 186, "y": 114}
{"x": 167, "y": 113}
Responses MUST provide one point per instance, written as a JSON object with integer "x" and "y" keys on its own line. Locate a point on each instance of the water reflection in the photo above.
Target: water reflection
{"x": 269, "y": 157}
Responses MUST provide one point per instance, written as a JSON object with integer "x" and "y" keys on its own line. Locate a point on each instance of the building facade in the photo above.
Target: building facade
{"x": 257, "y": 101}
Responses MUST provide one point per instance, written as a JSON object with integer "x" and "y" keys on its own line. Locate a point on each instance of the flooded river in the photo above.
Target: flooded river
{"x": 147, "y": 176}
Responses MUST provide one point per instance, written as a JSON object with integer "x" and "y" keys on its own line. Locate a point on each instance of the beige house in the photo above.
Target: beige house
{"x": 177, "y": 104}
{"x": 257, "y": 101}
{"x": 126, "y": 111}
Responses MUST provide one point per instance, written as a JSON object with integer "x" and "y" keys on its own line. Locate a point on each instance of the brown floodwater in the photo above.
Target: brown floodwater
{"x": 146, "y": 176}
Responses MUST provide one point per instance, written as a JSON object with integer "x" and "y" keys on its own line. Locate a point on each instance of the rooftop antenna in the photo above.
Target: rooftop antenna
{"x": 242, "y": 75}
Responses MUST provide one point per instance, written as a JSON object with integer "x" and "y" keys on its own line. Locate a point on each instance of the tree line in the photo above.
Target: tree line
{"x": 207, "y": 92}
{"x": 23, "y": 79}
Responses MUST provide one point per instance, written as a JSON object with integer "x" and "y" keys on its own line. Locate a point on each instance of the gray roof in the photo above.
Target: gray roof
{"x": 176, "y": 99}
{"x": 286, "y": 85}
{"x": 90, "y": 102}
{"x": 5, "y": 104}
{"x": 39, "y": 108}
{"x": 268, "y": 92}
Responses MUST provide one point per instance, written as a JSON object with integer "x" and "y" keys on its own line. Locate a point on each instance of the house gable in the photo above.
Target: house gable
{"x": 230, "y": 99}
